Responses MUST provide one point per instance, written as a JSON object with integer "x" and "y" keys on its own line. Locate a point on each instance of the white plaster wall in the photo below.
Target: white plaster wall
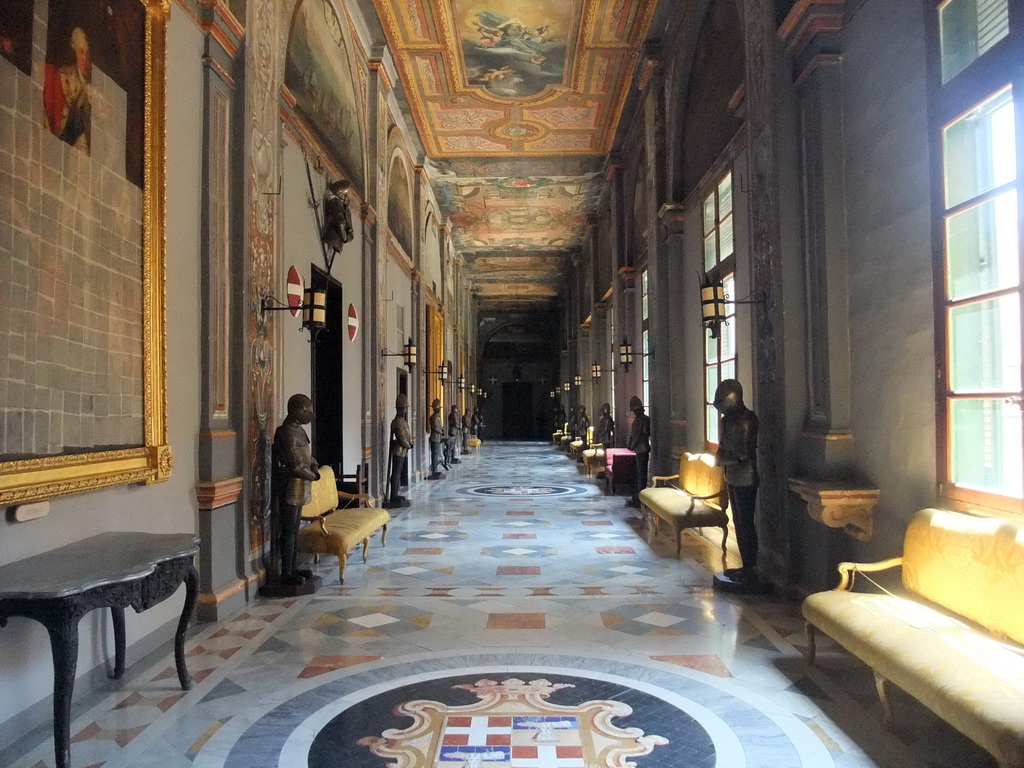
{"x": 888, "y": 225}
{"x": 300, "y": 245}
{"x": 25, "y": 661}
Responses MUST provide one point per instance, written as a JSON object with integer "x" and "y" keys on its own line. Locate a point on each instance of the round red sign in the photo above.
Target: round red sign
{"x": 353, "y": 322}
{"x": 295, "y": 288}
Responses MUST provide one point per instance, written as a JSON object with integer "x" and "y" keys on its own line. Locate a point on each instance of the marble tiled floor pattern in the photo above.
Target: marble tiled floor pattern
{"x": 517, "y": 566}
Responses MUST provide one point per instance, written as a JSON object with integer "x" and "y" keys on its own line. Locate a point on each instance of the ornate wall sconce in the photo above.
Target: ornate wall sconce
{"x": 626, "y": 354}
{"x": 595, "y": 371}
{"x": 578, "y": 380}
{"x": 713, "y": 301}
{"x": 565, "y": 386}
{"x": 408, "y": 354}
{"x": 461, "y": 383}
{"x": 442, "y": 373}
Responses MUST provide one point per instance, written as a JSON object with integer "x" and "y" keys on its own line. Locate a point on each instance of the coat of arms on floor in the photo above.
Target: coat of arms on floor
{"x": 513, "y": 725}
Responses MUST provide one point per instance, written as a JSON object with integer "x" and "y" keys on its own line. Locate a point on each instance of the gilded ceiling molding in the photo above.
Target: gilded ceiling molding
{"x": 382, "y": 72}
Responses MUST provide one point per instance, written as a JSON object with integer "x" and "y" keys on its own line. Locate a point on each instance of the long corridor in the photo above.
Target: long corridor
{"x": 517, "y": 617}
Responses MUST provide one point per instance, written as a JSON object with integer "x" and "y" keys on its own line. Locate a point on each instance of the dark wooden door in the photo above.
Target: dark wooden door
{"x": 517, "y": 419}
{"x": 328, "y": 378}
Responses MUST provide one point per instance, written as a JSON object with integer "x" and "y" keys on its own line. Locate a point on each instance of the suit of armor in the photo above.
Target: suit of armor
{"x": 294, "y": 471}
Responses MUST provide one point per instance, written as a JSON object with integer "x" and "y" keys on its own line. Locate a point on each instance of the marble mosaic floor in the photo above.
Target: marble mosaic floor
{"x": 517, "y": 618}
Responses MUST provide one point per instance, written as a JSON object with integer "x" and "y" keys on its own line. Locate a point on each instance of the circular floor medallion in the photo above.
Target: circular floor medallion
{"x": 513, "y": 719}
{"x": 521, "y": 490}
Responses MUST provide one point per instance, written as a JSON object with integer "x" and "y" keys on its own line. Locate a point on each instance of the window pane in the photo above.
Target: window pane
{"x": 725, "y": 235}
{"x": 710, "y": 383}
{"x": 710, "y": 348}
{"x": 984, "y": 346}
{"x": 712, "y": 420}
{"x": 728, "y": 337}
{"x": 725, "y": 197}
{"x": 978, "y": 150}
{"x": 729, "y": 286}
{"x": 728, "y": 369}
{"x": 968, "y": 28}
{"x": 709, "y": 213}
{"x": 986, "y": 446}
{"x": 981, "y": 247}
{"x": 710, "y": 251}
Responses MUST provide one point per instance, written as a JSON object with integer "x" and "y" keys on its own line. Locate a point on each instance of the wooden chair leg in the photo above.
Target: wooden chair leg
{"x": 812, "y": 648}
{"x": 384, "y": 535}
{"x": 679, "y": 540}
{"x": 342, "y": 560}
{"x": 725, "y": 538}
{"x": 366, "y": 546}
{"x": 880, "y": 687}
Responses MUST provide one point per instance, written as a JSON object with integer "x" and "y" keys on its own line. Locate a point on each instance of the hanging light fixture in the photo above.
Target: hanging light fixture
{"x": 712, "y": 306}
{"x": 578, "y": 380}
{"x": 408, "y": 354}
{"x": 565, "y": 386}
{"x": 461, "y": 382}
{"x": 595, "y": 371}
{"x": 625, "y": 354}
{"x": 442, "y": 373}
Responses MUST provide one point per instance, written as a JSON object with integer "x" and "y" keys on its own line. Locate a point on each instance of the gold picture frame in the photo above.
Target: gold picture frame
{"x": 45, "y": 477}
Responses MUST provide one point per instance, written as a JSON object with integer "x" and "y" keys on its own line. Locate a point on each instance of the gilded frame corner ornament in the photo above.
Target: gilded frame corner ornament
{"x": 50, "y": 476}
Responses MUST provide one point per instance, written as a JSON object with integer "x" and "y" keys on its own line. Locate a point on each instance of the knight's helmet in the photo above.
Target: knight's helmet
{"x": 436, "y": 405}
{"x": 635, "y": 403}
{"x": 401, "y": 402}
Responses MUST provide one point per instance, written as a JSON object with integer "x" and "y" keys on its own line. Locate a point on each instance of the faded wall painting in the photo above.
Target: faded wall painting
{"x": 16, "y": 33}
{"x": 318, "y": 72}
{"x": 105, "y": 35}
{"x": 400, "y": 205}
{"x": 82, "y": 336}
{"x": 514, "y": 50}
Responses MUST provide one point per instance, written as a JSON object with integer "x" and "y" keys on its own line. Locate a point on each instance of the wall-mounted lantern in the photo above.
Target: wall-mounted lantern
{"x": 408, "y": 354}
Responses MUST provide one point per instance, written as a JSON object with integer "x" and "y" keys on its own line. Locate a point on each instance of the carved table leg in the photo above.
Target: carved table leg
{"x": 62, "y": 625}
{"x": 191, "y": 593}
{"x": 117, "y": 617}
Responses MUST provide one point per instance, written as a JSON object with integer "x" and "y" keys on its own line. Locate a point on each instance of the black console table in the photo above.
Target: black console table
{"x": 114, "y": 570}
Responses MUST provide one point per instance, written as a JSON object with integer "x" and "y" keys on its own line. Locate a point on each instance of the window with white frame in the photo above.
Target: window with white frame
{"x": 978, "y": 137}
{"x": 719, "y": 265}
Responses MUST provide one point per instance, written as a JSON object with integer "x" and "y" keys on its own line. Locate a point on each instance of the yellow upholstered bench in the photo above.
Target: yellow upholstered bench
{"x": 971, "y": 672}
{"x": 473, "y": 442}
{"x": 697, "y": 498}
{"x": 593, "y": 458}
{"x": 335, "y": 531}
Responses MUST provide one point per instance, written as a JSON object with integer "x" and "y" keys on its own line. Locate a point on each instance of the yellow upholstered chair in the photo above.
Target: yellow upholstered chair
{"x": 335, "y": 531}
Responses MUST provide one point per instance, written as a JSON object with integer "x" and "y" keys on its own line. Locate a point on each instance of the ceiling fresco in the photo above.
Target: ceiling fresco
{"x": 517, "y": 103}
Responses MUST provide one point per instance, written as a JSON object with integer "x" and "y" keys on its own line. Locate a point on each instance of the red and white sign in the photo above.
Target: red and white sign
{"x": 353, "y": 322}
{"x": 295, "y": 289}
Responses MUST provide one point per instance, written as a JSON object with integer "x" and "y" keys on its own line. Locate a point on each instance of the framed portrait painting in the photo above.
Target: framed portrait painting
{"x": 82, "y": 254}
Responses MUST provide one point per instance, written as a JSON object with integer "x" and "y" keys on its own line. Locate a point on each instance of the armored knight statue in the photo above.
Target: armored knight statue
{"x": 478, "y": 421}
{"x": 640, "y": 443}
{"x": 467, "y": 425}
{"x": 582, "y": 425}
{"x": 436, "y": 440}
{"x": 337, "y": 218}
{"x": 401, "y": 442}
{"x": 454, "y": 426}
{"x": 605, "y": 433}
{"x": 559, "y": 416}
{"x": 294, "y": 472}
{"x": 573, "y": 418}
{"x": 737, "y": 453}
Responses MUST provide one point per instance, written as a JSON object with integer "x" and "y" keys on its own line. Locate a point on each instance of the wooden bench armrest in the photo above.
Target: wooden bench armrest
{"x": 656, "y": 478}
{"x": 343, "y": 496}
{"x": 319, "y": 520}
{"x": 849, "y": 571}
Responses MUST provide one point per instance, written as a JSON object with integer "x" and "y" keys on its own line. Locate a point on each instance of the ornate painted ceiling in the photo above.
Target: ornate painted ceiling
{"x": 516, "y": 103}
